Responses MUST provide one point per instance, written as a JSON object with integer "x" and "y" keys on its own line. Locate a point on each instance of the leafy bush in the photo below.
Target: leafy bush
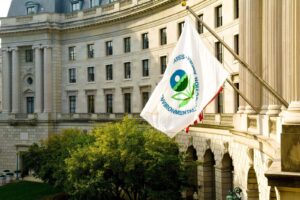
{"x": 48, "y": 159}
{"x": 127, "y": 161}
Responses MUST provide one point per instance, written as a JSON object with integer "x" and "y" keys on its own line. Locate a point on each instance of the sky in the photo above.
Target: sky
{"x": 4, "y": 6}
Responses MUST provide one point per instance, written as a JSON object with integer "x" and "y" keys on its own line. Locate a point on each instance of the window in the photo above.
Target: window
{"x": 236, "y": 9}
{"x": 109, "y": 72}
{"x": 30, "y": 104}
{"x": 163, "y": 36}
{"x": 218, "y": 16}
{"x": 180, "y": 28}
{"x": 91, "y": 74}
{"x": 127, "y": 45}
{"x": 72, "y": 104}
{"x": 91, "y": 103}
{"x": 127, "y": 70}
{"x": 127, "y": 103}
{"x": 90, "y": 50}
{"x": 71, "y": 53}
{"x": 72, "y": 75}
{"x": 75, "y": 6}
{"x": 145, "y": 67}
{"x": 28, "y": 55}
{"x": 93, "y": 3}
{"x": 109, "y": 48}
{"x": 163, "y": 64}
{"x": 219, "y": 51}
{"x": 237, "y": 97}
{"x": 236, "y": 44}
{"x": 31, "y": 10}
{"x": 200, "y": 25}
{"x": 109, "y": 103}
{"x": 145, "y": 98}
{"x": 220, "y": 107}
{"x": 145, "y": 40}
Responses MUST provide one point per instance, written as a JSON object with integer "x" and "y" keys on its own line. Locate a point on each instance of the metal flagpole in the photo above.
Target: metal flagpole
{"x": 243, "y": 96}
{"x": 263, "y": 82}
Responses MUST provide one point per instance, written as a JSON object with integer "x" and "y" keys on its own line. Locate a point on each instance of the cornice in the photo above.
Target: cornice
{"x": 126, "y": 14}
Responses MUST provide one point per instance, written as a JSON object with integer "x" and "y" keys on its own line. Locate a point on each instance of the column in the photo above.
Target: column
{"x": 6, "y": 82}
{"x": 47, "y": 79}
{"x": 253, "y": 51}
{"x": 272, "y": 51}
{"x": 15, "y": 81}
{"x": 291, "y": 60}
{"x": 38, "y": 79}
{"x": 242, "y": 70}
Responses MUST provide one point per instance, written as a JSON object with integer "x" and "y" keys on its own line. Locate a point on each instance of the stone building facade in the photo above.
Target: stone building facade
{"x": 78, "y": 63}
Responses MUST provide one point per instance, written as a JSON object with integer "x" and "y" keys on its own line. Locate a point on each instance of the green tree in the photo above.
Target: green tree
{"x": 48, "y": 159}
{"x": 128, "y": 160}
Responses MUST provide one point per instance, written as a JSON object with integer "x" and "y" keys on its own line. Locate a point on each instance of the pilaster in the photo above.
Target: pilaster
{"x": 47, "y": 79}
{"x": 6, "y": 78}
{"x": 15, "y": 81}
{"x": 38, "y": 79}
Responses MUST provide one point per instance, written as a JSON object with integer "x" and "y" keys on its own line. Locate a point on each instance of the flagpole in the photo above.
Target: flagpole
{"x": 243, "y": 96}
{"x": 263, "y": 82}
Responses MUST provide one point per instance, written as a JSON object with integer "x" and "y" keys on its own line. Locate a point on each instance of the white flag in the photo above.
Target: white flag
{"x": 192, "y": 79}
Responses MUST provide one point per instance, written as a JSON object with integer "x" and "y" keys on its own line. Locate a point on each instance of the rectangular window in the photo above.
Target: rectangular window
{"x": 127, "y": 70}
{"x": 71, "y": 53}
{"x": 145, "y": 98}
{"x": 30, "y": 104}
{"x": 93, "y": 3}
{"x": 163, "y": 36}
{"x": 237, "y": 97}
{"x": 163, "y": 64}
{"x": 145, "y": 67}
{"x": 72, "y": 104}
{"x": 200, "y": 25}
{"x": 91, "y": 74}
{"x": 75, "y": 6}
{"x": 218, "y": 16}
{"x": 109, "y": 48}
{"x": 90, "y": 50}
{"x": 220, "y": 106}
{"x": 236, "y": 44}
{"x": 219, "y": 51}
{"x": 91, "y": 103}
{"x": 180, "y": 28}
{"x": 127, "y": 103}
{"x": 109, "y": 72}
{"x": 72, "y": 75}
{"x": 31, "y": 10}
{"x": 236, "y": 9}
{"x": 145, "y": 41}
{"x": 109, "y": 103}
{"x": 28, "y": 55}
{"x": 127, "y": 45}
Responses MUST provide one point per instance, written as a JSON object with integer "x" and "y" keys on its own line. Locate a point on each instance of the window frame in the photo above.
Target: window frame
{"x": 91, "y": 74}
{"x": 127, "y": 70}
{"x": 72, "y": 75}
{"x": 145, "y": 40}
{"x": 109, "y": 48}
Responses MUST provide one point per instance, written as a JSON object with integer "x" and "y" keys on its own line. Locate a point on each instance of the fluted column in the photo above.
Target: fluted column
{"x": 253, "y": 51}
{"x": 15, "y": 81}
{"x": 242, "y": 70}
{"x": 38, "y": 79}
{"x": 6, "y": 81}
{"x": 291, "y": 59}
{"x": 47, "y": 79}
{"x": 272, "y": 51}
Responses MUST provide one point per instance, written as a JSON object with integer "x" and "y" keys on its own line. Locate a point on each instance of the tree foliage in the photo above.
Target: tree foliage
{"x": 123, "y": 160}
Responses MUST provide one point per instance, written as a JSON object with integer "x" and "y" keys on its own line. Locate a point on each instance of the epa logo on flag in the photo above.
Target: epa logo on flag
{"x": 184, "y": 85}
